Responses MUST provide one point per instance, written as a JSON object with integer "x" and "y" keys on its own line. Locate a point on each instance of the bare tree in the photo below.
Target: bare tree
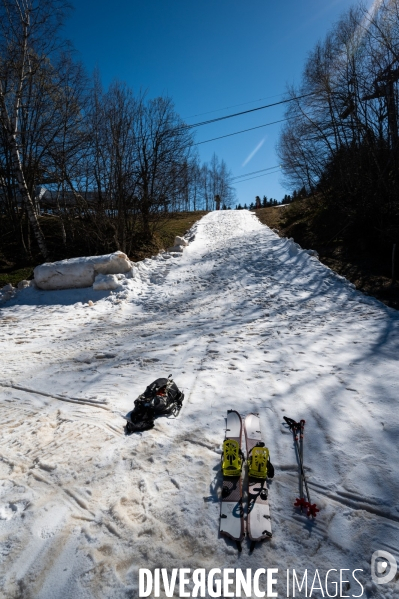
{"x": 221, "y": 181}
{"x": 28, "y": 37}
{"x": 114, "y": 164}
{"x": 162, "y": 146}
{"x": 341, "y": 138}
{"x": 113, "y": 160}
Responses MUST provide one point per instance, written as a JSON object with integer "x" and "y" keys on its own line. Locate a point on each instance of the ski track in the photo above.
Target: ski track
{"x": 243, "y": 320}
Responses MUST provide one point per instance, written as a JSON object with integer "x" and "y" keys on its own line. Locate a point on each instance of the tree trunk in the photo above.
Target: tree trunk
{"x": 27, "y": 200}
{"x": 63, "y": 231}
{"x": 10, "y": 122}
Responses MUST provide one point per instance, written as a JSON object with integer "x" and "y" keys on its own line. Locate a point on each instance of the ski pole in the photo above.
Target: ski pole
{"x": 302, "y": 425}
{"x": 300, "y": 502}
{"x": 295, "y": 427}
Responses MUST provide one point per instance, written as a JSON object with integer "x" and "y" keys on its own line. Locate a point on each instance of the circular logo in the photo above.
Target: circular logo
{"x": 380, "y": 560}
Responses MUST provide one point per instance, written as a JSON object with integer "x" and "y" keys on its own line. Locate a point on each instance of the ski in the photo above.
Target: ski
{"x": 231, "y": 510}
{"x": 259, "y": 469}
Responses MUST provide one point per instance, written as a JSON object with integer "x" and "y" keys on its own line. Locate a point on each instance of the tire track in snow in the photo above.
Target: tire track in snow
{"x": 75, "y": 400}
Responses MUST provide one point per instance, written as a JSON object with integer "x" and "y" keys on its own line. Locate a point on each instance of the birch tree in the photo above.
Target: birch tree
{"x": 28, "y": 37}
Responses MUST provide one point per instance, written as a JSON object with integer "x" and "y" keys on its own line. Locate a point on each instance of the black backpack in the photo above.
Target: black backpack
{"x": 161, "y": 398}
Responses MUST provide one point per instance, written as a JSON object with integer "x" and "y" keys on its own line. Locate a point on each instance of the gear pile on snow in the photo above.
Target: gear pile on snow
{"x": 161, "y": 398}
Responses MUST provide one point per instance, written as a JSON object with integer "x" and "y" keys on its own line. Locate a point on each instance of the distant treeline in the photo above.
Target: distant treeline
{"x": 108, "y": 165}
{"x": 340, "y": 141}
{"x": 267, "y": 203}
{"x": 264, "y": 203}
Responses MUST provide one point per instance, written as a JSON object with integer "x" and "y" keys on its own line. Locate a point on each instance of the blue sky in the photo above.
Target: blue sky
{"x": 212, "y": 58}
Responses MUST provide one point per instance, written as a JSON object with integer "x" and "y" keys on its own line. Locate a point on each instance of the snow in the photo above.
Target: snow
{"x": 6, "y": 293}
{"x": 102, "y": 282}
{"x": 179, "y": 244}
{"x": 180, "y": 241}
{"x": 80, "y": 272}
{"x": 243, "y": 320}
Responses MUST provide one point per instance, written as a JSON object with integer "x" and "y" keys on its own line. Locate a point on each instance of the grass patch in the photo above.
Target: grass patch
{"x": 15, "y": 276}
{"x": 179, "y": 224}
{"x": 272, "y": 216}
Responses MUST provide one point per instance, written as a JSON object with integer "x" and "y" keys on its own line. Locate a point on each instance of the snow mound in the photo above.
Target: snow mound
{"x": 179, "y": 244}
{"x": 7, "y": 292}
{"x": 312, "y": 253}
{"x": 105, "y": 282}
{"x": 180, "y": 241}
{"x": 80, "y": 272}
{"x": 294, "y": 249}
{"x": 24, "y": 284}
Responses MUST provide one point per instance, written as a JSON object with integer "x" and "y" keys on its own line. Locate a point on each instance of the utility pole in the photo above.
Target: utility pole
{"x": 384, "y": 88}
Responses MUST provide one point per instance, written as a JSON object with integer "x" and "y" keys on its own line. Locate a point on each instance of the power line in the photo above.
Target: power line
{"x": 257, "y": 177}
{"x": 260, "y": 171}
{"x": 233, "y": 106}
{"x": 237, "y": 132}
{"x": 230, "y": 116}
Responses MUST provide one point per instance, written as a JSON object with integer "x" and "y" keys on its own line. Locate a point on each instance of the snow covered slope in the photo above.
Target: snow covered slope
{"x": 243, "y": 320}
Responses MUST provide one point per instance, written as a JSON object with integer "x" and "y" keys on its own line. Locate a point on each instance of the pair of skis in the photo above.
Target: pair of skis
{"x": 259, "y": 469}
